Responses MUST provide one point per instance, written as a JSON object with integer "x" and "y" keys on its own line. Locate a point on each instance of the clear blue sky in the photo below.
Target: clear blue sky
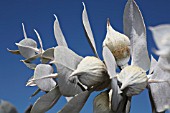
{"x": 38, "y": 14}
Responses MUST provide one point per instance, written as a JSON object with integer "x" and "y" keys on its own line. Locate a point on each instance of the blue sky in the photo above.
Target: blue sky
{"x": 38, "y": 14}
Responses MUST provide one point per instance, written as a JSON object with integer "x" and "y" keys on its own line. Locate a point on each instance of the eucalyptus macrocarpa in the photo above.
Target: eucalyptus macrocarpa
{"x": 78, "y": 77}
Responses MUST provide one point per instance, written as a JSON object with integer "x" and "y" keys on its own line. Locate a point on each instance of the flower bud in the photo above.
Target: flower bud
{"x": 119, "y": 45}
{"x": 91, "y": 71}
{"x": 133, "y": 79}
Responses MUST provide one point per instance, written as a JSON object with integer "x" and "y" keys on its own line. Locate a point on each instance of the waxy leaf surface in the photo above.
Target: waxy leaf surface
{"x": 134, "y": 28}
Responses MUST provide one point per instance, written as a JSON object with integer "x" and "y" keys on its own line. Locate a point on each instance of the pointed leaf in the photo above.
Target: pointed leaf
{"x": 14, "y": 51}
{"x": 32, "y": 58}
{"x": 76, "y": 104}
{"x": 6, "y": 107}
{"x": 30, "y": 65}
{"x": 47, "y": 101}
{"x": 109, "y": 61}
{"x": 28, "y": 47}
{"x": 24, "y": 32}
{"x": 116, "y": 97}
{"x": 128, "y": 105}
{"x": 35, "y": 93}
{"x": 122, "y": 105}
{"x": 88, "y": 31}
{"x": 40, "y": 41}
{"x": 67, "y": 88}
{"x": 101, "y": 103}
{"x": 111, "y": 67}
{"x": 58, "y": 34}
{"x": 30, "y": 82}
{"x": 66, "y": 57}
{"x": 43, "y": 70}
{"x": 160, "y": 91}
{"x": 134, "y": 28}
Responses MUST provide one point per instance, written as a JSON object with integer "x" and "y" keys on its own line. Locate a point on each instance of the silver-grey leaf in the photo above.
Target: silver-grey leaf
{"x": 27, "y": 47}
{"x": 160, "y": 32}
{"x": 40, "y": 41}
{"x": 30, "y": 82}
{"x": 160, "y": 91}
{"x": 88, "y": 31}
{"x": 6, "y": 107}
{"x": 48, "y": 55}
{"x": 43, "y": 70}
{"x": 111, "y": 67}
{"x": 32, "y": 58}
{"x": 47, "y": 101}
{"x": 24, "y": 32}
{"x": 30, "y": 65}
{"x": 134, "y": 28}
{"x": 14, "y": 51}
{"x": 76, "y": 103}
{"x": 101, "y": 103}
{"x": 109, "y": 61}
{"x": 66, "y": 57}
{"x": 67, "y": 88}
{"x": 116, "y": 97}
{"x": 58, "y": 34}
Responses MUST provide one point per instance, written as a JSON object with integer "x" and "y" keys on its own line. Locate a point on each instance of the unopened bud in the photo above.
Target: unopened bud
{"x": 91, "y": 71}
{"x": 119, "y": 45}
{"x": 133, "y": 79}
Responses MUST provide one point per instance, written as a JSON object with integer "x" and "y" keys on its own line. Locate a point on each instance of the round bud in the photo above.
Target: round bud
{"x": 133, "y": 79}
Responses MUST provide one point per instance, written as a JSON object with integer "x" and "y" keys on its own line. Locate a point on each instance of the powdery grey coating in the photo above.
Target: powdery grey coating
{"x": 134, "y": 28}
{"x": 91, "y": 71}
{"x": 76, "y": 103}
{"x": 101, "y": 103}
{"x": 47, "y": 101}
{"x": 160, "y": 91}
{"x": 24, "y": 49}
{"x": 59, "y": 34}
{"x": 67, "y": 88}
{"x": 119, "y": 45}
{"x": 88, "y": 31}
{"x": 66, "y": 62}
{"x": 44, "y": 70}
{"x": 133, "y": 79}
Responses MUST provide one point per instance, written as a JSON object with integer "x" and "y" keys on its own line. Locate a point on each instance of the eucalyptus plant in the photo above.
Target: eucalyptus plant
{"x": 77, "y": 77}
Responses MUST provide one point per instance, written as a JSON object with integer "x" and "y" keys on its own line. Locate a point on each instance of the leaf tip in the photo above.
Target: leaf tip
{"x": 108, "y": 21}
{"x": 55, "y": 16}
{"x": 23, "y": 28}
{"x": 83, "y": 5}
